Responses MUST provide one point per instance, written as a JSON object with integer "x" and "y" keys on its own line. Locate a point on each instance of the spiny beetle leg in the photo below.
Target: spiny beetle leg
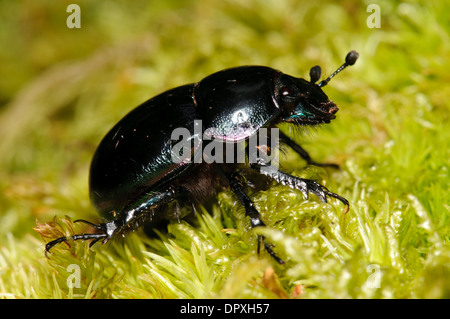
{"x": 125, "y": 221}
{"x": 304, "y": 185}
{"x": 95, "y": 237}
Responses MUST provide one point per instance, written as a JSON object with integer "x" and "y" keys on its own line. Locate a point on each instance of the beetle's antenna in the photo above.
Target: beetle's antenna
{"x": 350, "y": 59}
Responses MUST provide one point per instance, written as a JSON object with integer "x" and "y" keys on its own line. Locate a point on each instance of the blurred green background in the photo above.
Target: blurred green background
{"x": 62, "y": 89}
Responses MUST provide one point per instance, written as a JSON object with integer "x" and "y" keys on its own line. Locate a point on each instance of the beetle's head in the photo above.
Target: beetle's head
{"x": 304, "y": 102}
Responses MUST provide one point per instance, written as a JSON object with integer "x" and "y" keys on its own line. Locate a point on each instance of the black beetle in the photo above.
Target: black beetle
{"x": 134, "y": 176}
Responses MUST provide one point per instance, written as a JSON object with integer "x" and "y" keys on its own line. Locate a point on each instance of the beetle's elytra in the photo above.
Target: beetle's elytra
{"x": 135, "y": 178}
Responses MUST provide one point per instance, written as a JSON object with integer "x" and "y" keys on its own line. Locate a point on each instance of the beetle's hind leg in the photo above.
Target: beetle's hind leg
{"x": 95, "y": 237}
{"x": 129, "y": 219}
{"x": 251, "y": 211}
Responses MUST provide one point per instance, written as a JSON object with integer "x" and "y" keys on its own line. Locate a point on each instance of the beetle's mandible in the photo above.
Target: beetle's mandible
{"x": 134, "y": 178}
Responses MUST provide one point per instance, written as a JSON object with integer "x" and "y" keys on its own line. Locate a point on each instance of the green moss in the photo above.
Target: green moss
{"x": 62, "y": 89}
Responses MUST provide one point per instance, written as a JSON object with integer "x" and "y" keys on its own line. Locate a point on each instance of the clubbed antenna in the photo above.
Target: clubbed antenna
{"x": 350, "y": 59}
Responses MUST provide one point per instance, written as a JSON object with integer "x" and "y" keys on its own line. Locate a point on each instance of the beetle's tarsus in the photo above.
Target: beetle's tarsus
{"x": 95, "y": 238}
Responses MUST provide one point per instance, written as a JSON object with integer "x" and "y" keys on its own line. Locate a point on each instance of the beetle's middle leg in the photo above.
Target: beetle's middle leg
{"x": 251, "y": 211}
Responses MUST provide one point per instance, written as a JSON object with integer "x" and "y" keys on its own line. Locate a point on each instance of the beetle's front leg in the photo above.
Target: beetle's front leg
{"x": 250, "y": 210}
{"x": 304, "y": 185}
{"x": 303, "y": 153}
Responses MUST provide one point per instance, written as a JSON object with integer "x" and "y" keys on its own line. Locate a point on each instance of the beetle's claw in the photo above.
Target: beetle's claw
{"x": 95, "y": 236}
{"x": 340, "y": 198}
{"x": 50, "y": 245}
{"x": 322, "y": 192}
